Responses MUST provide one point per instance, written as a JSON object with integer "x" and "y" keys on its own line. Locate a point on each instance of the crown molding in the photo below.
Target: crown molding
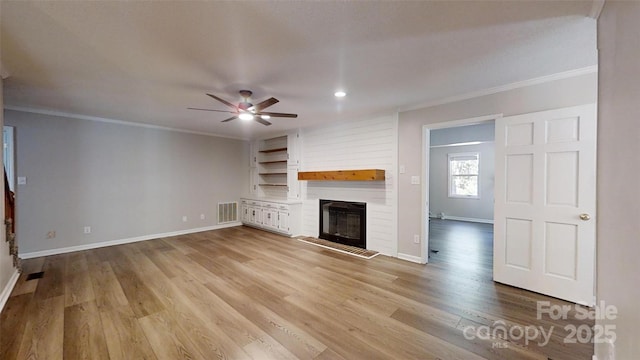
{"x": 501, "y": 88}
{"x": 114, "y": 121}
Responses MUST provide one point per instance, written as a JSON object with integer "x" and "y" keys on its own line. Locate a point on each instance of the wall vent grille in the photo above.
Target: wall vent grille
{"x": 227, "y": 212}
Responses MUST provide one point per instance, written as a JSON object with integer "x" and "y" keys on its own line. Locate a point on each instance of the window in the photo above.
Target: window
{"x": 463, "y": 175}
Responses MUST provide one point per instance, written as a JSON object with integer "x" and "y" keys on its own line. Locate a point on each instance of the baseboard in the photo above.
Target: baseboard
{"x": 69, "y": 249}
{"x": 4, "y": 296}
{"x": 415, "y": 259}
{"x": 460, "y": 218}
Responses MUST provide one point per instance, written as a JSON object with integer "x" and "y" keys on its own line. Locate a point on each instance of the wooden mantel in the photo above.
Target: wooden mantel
{"x": 343, "y": 175}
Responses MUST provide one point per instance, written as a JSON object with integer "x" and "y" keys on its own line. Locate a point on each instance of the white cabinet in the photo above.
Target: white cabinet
{"x": 252, "y": 212}
{"x": 244, "y": 211}
{"x": 293, "y": 149}
{"x": 253, "y": 154}
{"x": 281, "y": 217}
{"x": 270, "y": 216}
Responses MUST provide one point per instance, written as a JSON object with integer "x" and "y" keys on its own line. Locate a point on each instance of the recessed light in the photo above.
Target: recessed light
{"x": 340, "y": 94}
{"x": 245, "y": 116}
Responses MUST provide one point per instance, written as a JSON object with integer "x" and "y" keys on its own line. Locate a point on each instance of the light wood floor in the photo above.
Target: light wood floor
{"x": 241, "y": 293}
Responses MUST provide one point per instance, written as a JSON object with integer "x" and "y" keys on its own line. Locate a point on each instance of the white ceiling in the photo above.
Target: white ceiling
{"x": 147, "y": 62}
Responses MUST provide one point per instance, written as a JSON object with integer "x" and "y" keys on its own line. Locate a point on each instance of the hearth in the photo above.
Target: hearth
{"x": 344, "y": 222}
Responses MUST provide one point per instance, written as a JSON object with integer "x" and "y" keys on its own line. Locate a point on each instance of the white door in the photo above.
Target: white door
{"x": 545, "y": 178}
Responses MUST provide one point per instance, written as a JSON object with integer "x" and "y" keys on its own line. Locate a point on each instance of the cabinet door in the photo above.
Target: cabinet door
{"x": 253, "y": 181}
{"x": 244, "y": 213}
{"x": 258, "y": 217}
{"x": 271, "y": 219}
{"x": 283, "y": 221}
{"x": 293, "y": 185}
{"x": 253, "y": 154}
{"x": 293, "y": 149}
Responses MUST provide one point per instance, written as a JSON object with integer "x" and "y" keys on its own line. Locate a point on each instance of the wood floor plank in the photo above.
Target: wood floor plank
{"x": 106, "y": 287}
{"x": 78, "y": 287}
{"x": 44, "y": 333}
{"x": 123, "y": 334}
{"x": 294, "y": 339}
{"x": 83, "y": 334}
{"x": 52, "y": 282}
{"x": 167, "y": 339}
{"x": 13, "y": 321}
{"x": 142, "y": 301}
{"x": 185, "y": 313}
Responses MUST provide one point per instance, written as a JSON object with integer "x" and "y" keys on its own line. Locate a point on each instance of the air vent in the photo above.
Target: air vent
{"x": 227, "y": 212}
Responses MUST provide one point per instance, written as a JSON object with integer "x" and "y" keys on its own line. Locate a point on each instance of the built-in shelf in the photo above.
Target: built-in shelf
{"x": 273, "y": 184}
{"x": 343, "y": 175}
{"x": 273, "y": 162}
{"x": 267, "y": 151}
{"x": 274, "y": 173}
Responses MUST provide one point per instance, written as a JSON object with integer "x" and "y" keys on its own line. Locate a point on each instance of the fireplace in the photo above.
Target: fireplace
{"x": 344, "y": 222}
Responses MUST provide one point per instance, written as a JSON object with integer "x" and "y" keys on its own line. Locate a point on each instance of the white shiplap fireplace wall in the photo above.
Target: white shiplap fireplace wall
{"x": 369, "y": 144}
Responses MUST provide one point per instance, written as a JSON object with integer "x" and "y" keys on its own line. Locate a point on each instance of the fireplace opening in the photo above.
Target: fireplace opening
{"x": 343, "y": 222}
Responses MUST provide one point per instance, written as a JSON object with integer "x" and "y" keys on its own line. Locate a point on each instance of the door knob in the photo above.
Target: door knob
{"x": 585, "y": 217}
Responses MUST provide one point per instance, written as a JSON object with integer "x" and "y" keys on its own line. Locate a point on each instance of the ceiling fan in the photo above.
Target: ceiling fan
{"x": 247, "y": 111}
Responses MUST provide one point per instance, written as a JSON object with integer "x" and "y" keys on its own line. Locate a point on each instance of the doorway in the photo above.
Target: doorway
{"x": 461, "y": 199}
{"x": 462, "y": 194}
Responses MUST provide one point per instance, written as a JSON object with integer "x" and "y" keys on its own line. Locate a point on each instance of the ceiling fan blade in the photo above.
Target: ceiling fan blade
{"x": 229, "y": 119}
{"x": 224, "y": 111}
{"x": 223, "y": 101}
{"x": 265, "y": 104}
{"x": 261, "y": 121}
{"x": 273, "y": 114}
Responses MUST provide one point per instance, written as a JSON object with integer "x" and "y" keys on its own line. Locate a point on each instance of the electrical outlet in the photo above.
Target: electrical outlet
{"x": 201, "y": 216}
{"x": 415, "y": 180}
{"x": 51, "y": 234}
{"x": 87, "y": 229}
{"x": 184, "y": 218}
{"x": 416, "y": 239}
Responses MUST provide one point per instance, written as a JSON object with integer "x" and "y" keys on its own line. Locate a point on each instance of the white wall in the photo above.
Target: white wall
{"x": 618, "y": 246}
{"x": 370, "y": 144}
{"x": 462, "y": 134}
{"x": 549, "y": 95}
{"x": 480, "y": 209}
{"x": 123, "y": 181}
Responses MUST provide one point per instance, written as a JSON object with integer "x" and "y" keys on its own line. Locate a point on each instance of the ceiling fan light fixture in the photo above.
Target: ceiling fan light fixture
{"x": 245, "y": 116}
{"x": 246, "y": 111}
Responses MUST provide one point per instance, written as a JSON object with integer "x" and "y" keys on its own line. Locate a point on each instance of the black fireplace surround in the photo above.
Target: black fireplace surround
{"x": 344, "y": 222}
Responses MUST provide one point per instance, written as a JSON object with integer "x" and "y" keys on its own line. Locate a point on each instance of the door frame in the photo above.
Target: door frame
{"x": 426, "y": 152}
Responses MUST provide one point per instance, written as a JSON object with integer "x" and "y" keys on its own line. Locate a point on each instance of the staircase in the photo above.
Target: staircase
{"x": 9, "y": 219}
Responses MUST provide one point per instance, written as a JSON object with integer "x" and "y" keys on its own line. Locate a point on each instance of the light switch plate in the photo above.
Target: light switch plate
{"x": 403, "y": 169}
{"x": 22, "y": 180}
